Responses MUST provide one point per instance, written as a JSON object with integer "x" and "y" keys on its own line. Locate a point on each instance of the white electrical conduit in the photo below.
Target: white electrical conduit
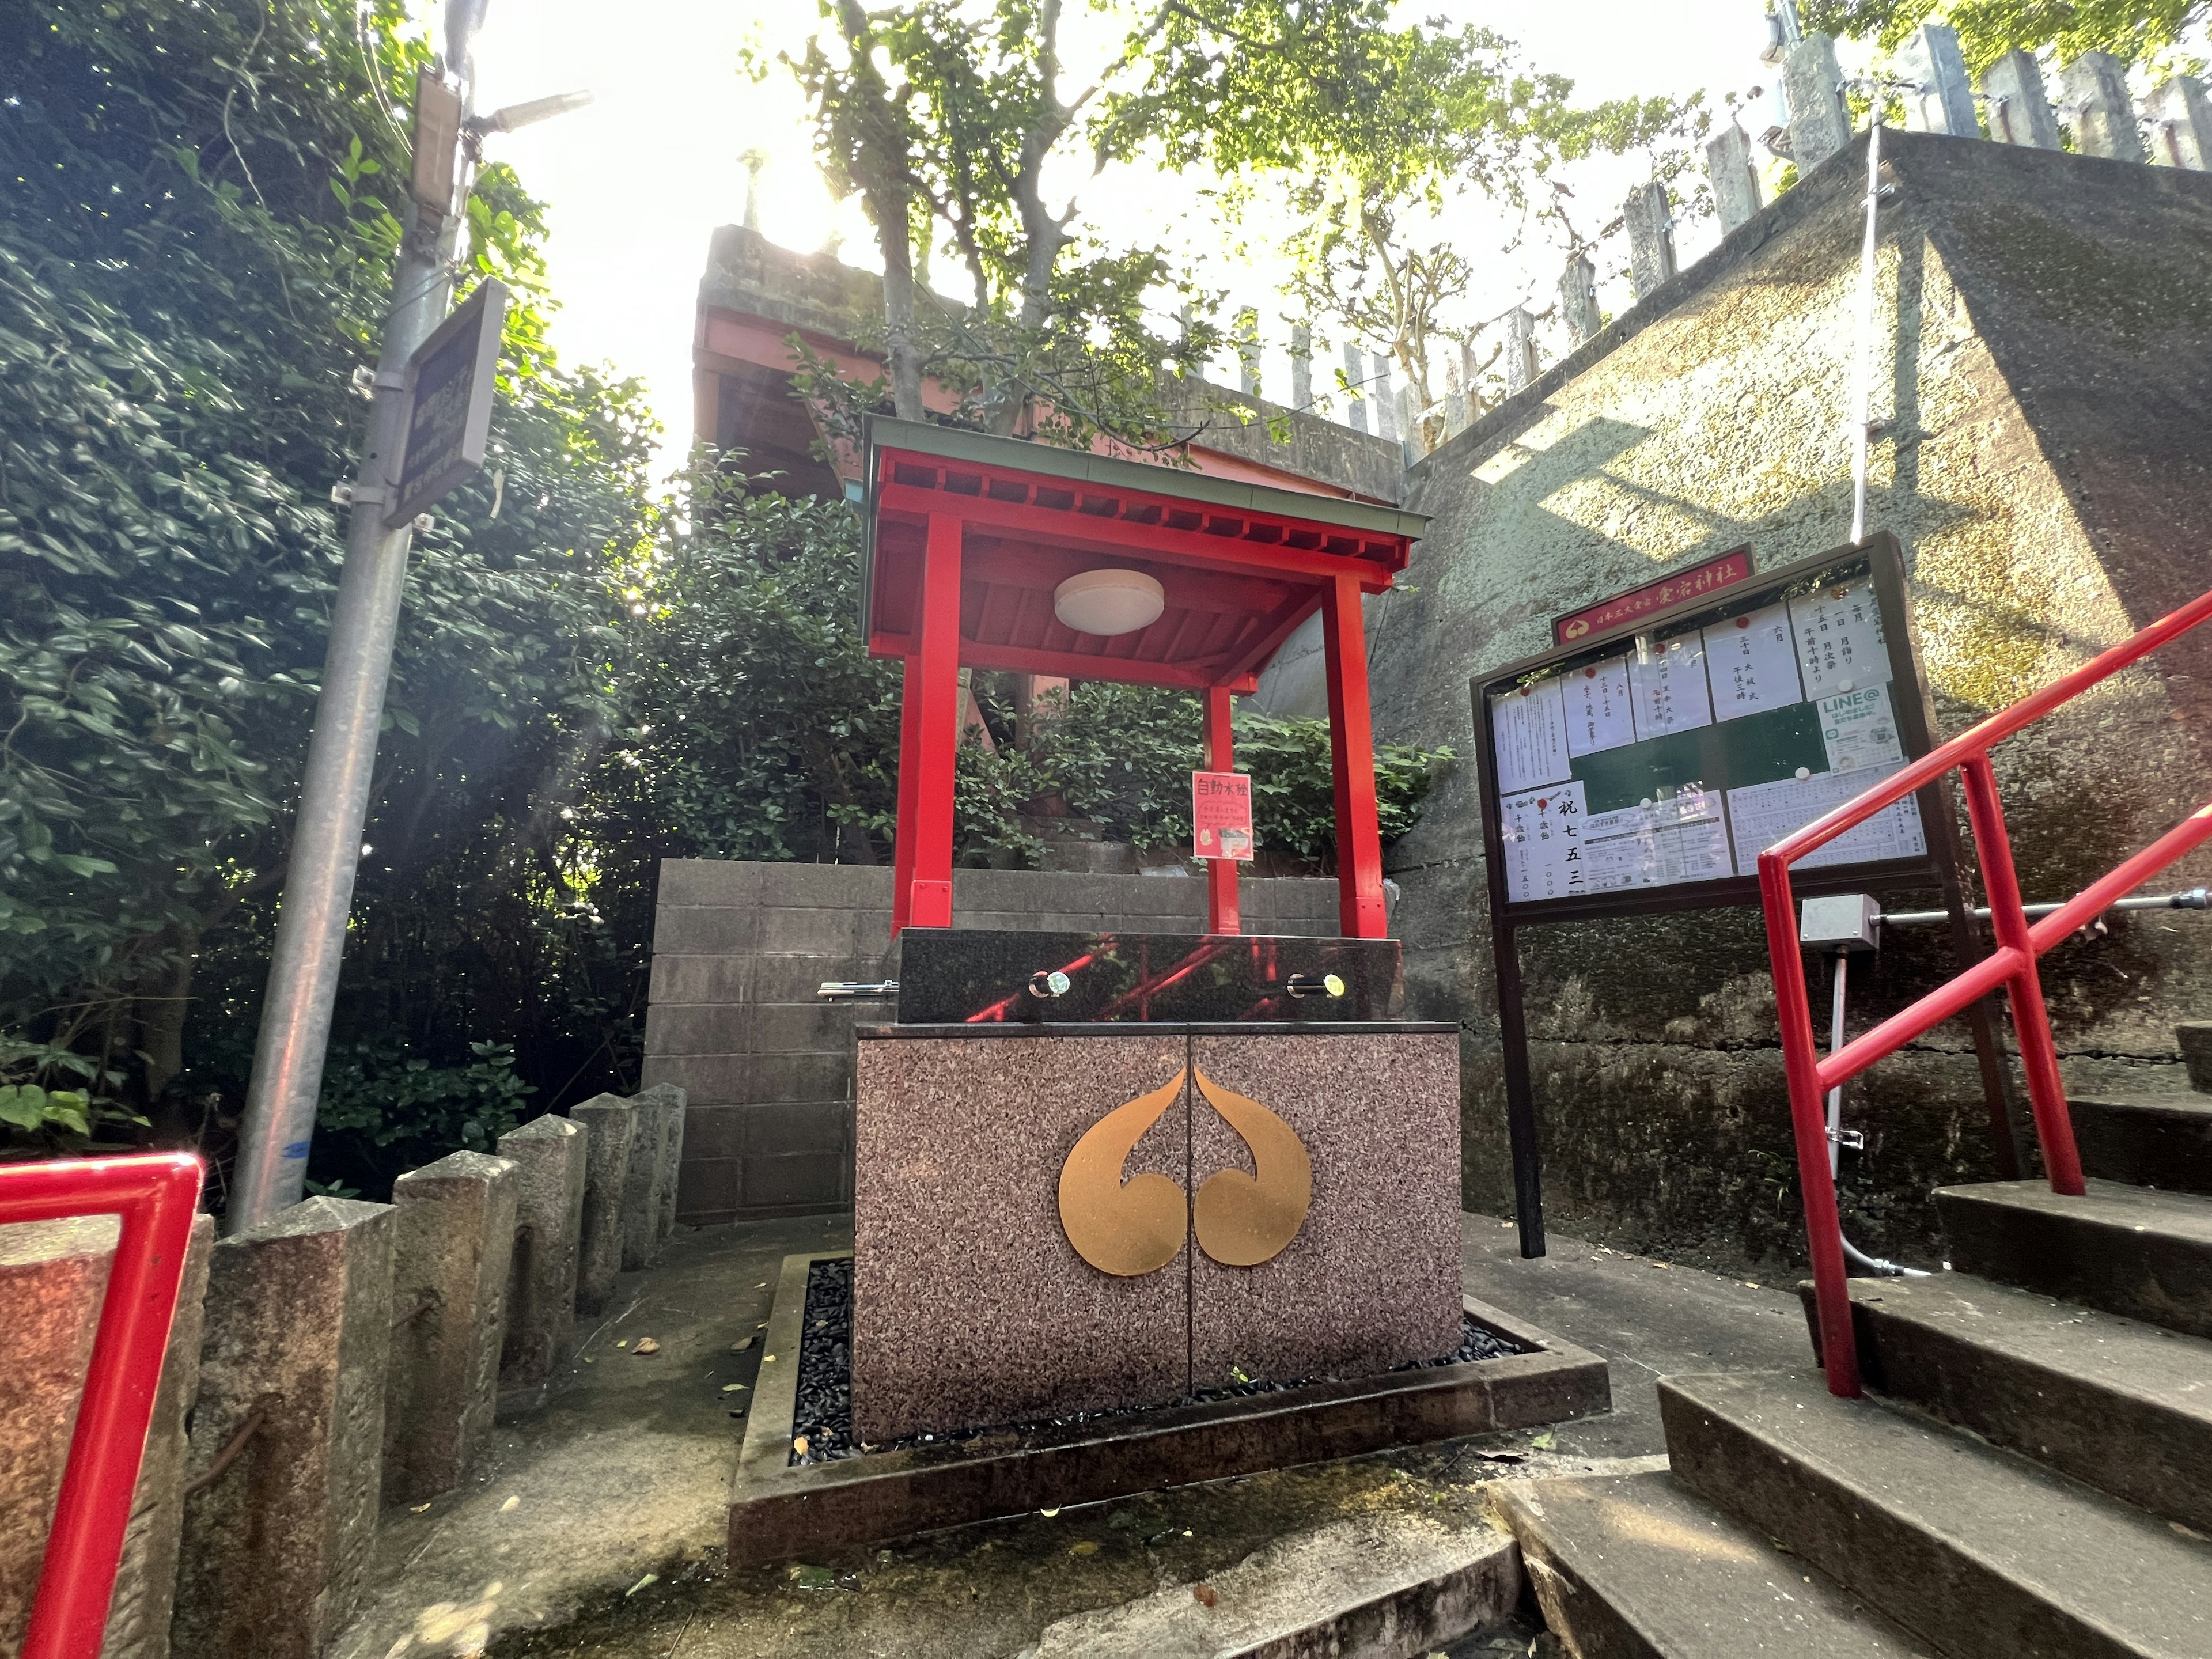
{"x": 1863, "y": 389}
{"x": 1872, "y": 1264}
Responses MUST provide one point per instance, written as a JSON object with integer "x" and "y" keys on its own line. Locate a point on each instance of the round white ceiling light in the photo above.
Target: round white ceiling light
{"x": 1109, "y": 602}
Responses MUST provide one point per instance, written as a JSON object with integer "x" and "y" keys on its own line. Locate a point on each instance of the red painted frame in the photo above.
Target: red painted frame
{"x": 2012, "y": 965}
{"x": 1296, "y": 566}
{"x": 156, "y": 1197}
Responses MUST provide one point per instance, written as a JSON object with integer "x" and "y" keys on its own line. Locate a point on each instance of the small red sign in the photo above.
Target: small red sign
{"x": 1652, "y": 598}
{"x": 1221, "y": 814}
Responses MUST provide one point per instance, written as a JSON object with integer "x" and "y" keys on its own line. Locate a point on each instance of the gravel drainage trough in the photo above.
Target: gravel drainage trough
{"x": 782, "y": 1506}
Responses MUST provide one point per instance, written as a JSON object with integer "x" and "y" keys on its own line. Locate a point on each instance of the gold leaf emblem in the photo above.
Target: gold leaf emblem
{"x": 1132, "y": 1228}
{"x": 1125, "y": 1229}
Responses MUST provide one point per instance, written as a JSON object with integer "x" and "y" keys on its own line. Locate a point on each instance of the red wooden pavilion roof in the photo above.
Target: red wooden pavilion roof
{"x": 1241, "y": 564}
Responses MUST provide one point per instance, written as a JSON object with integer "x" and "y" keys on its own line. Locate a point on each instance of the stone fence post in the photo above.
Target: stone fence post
{"x": 1579, "y": 298}
{"x": 455, "y": 1240}
{"x": 2020, "y": 108}
{"x": 611, "y": 1124}
{"x": 1942, "y": 99}
{"x": 287, "y": 1437}
{"x": 51, "y": 1277}
{"x": 2181, "y": 123}
{"x": 550, "y": 1154}
{"x": 2094, "y": 88}
{"x": 1650, "y": 223}
{"x": 672, "y": 1102}
{"x": 1734, "y": 179}
{"x": 145, "y": 1598}
{"x": 1820, "y": 120}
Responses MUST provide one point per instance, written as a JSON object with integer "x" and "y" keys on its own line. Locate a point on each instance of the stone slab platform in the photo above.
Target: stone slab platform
{"x": 780, "y": 1512}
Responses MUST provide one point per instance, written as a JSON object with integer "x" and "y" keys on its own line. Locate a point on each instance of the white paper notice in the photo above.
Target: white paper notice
{"x": 1764, "y": 813}
{"x": 1530, "y": 727}
{"x": 1682, "y": 838}
{"x": 1860, "y": 731}
{"x": 1752, "y": 663}
{"x": 1839, "y": 639}
{"x": 1670, "y": 689}
{"x": 1542, "y": 832}
{"x": 1597, "y": 707}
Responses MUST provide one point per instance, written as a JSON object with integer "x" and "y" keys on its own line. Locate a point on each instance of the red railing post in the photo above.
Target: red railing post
{"x": 1808, "y": 1125}
{"x": 156, "y": 1197}
{"x": 2031, "y": 1020}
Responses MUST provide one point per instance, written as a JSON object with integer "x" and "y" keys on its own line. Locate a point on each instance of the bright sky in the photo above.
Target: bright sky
{"x": 635, "y": 183}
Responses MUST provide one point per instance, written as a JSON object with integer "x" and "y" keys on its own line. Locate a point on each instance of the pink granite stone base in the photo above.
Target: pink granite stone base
{"x": 969, "y": 1305}
{"x": 1371, "y": 1280}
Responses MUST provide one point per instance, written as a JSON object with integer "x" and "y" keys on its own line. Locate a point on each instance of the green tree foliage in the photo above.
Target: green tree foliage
{"x": 2153, "y": 32}
{"x": 195, "y": 252}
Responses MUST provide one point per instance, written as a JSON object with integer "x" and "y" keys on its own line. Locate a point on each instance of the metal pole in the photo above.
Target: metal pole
{"x": 1862, "y": 392}
{"x": 279, "y": 1123}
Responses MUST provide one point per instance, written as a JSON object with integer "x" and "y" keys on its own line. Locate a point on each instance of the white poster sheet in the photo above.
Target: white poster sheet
{"x": 1542, "y": 829}
{"x": 1598, "y": 716}
{"x": 1528, "y": 726}
{"x": 1657, "y": 843}
{"x": 1860, "y": 731}
{"x": 1751, "y": 662}
{"x": 1763, "y": 813}
{"x": 1840, "y": 645}
{"x": 1669, "y": 685}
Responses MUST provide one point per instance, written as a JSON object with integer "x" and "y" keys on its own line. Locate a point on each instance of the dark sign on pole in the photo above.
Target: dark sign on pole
{"x": 449, "y": 403}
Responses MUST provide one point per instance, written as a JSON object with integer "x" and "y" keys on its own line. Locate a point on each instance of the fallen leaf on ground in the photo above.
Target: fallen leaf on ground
{"x": 418, "y": 1509}
{"x": 624, "y": 1343}
{"x": 799, "y": 1445}
{"x": 1088, "y": 1546}
{"x": 647, "y": 1344}
{"x": 766, "y": 1359}
{"x": 814, "y": 1578}
{"x": 511, "y": 1503}
{"x": 732, "y": 1388}
{"x": 1207, "y": 1596}
{"x": 1049, "y": 1513}
{"x": 649, "y": 1578}
{"x": 1543, "y": 1443}
{"x": 741, "y": 1345}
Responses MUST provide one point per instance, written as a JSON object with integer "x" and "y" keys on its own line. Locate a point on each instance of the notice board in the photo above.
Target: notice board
{"x": 1646, "y": 767}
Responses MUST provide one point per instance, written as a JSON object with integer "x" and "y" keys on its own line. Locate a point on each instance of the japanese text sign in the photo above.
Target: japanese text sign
{"x": 1221, "y": 814}
{"x": 1652, "y": 598}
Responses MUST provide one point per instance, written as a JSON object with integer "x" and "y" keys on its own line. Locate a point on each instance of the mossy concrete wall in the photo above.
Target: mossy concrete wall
{"x": 2044, "y": 359}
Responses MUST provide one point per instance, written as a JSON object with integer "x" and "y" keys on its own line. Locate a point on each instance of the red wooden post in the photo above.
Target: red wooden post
{"x": 1351, "y": 759}
{"x": 908, "y": 814}
{"x": 1221, "y": 913}
{"x": 937, "y": 731}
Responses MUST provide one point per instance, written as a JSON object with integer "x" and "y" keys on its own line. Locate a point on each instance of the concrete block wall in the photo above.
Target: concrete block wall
{"x": 740, "y": 950}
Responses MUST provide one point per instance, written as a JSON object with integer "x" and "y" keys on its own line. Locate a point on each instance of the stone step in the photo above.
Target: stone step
{"x": 2147, "y": 1140}
{"x": 1389, "y": 1585}
{"x": 2127, "y": 1250}
{"x": 1979, "y": 1551}
{"x": 1635, "y": 1567}
{"x": 2122, "y": 1405}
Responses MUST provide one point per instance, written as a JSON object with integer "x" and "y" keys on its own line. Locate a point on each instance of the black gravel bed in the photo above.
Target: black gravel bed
{"x": 824, "y": 1417}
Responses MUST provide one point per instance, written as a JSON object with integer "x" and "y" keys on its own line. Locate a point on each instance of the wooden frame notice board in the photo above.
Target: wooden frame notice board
{"x": 1643, "y": 770}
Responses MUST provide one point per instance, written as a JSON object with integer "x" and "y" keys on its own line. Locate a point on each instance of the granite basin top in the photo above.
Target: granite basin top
{"x": 1004, "y": 977}
{"x": 1309, "y": 1028}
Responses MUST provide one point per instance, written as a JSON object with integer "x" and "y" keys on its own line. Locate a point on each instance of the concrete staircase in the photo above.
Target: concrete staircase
{"x": 2029, "y": 1477}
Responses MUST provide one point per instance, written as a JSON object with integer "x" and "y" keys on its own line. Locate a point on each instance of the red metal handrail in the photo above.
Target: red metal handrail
{"x": 2012, "y": 965}
{"x": 155, "y": 1196}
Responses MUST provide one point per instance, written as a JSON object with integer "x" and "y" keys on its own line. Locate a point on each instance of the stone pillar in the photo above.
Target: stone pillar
{"x": 548, "y": 1153}
{"x": 145, "y": 1598}
{"x": 299, "y": 1329}
{"x": 2181, "y": 123}
{"x": 1355, "y": 379}
{"x": 1522, "y": 365}
{"x": 1248, "y": 352}
{"x": 671, "y": 1101}
{"x": 1301, "y": 367}
{"x": 642, "y": 1193}
{"x": 1579, "y": 298}
{"x": 1820, "y": 120}
{"x": 1736, "y": 180}
{"x": 455, "y": 1242}
{"x": 610, "y": 1124}
{"x": 2094, "y": 89}
{"x": 1650, "y": 223}
{"x": 51, "y": 1276}
{"x": 1942, "y": 99}
{"x": 2020, "y": 108}
{"x": 1386, "y": 409}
